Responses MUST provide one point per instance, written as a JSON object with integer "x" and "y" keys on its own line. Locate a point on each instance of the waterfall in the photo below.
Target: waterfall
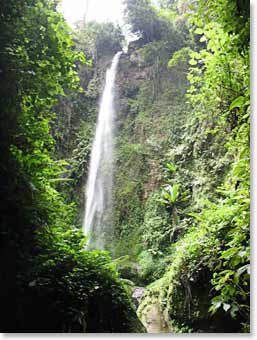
{"x": 98, "y": 195}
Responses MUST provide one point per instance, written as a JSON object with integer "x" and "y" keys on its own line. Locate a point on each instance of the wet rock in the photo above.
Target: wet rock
{"x": 150, "y": 314}
{"x": 153, "y": 320}
{"x": 137, "y": 294}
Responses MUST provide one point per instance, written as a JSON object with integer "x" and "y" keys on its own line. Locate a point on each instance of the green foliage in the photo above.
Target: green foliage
{"x": 204, "y": 190}
{"x": 224, "y": 255}
{"x": 156, "y": 228}
{"x": 98, "y": 39}
{"x": 149, "y": 25}
{"x": 80, "y": 156}
{"x": 238, "y": 102}
{"x": 143, "y": 19}
{"x": 182, "y": 292}
{"x": 182, "y": 168}
{"x": 84, "y": 285}
{"x": 52, "y": 284}
{"x": 224, "y": 52}
{"x": 179, "y": 57}
{"x": 171, "y": 167}
{"x": 170, "y": 194}
{"x": 232, "y": 277}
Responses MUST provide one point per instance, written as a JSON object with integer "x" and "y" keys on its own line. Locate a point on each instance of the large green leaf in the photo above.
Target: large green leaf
{"x": 238, "y": 102}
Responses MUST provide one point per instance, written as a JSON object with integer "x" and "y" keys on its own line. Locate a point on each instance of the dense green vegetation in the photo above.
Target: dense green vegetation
{"x": 182, "y": 168}
{"x": 182, "y": 179}
{"x": 49, "y": 283}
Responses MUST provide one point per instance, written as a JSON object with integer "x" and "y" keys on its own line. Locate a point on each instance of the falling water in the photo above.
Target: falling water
{"x": 98, "y": 212}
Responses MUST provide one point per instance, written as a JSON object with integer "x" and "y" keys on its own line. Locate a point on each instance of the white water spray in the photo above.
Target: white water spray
{"x": 98, "y": 212}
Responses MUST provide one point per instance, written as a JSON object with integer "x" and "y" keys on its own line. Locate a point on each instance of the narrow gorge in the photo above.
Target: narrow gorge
{"x": 125, "y": 176}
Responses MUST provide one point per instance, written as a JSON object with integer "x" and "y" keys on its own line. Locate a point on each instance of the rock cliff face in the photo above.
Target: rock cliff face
{"x": 148, "y": 96}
